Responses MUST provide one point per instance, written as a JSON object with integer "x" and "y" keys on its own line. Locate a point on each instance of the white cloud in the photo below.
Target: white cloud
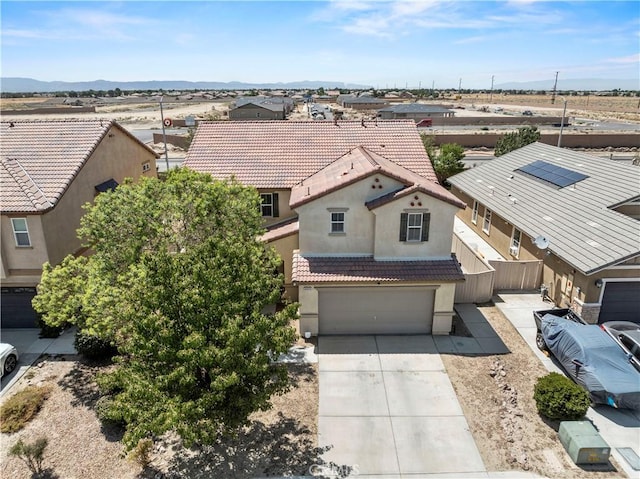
{"x": 635, "y": 58}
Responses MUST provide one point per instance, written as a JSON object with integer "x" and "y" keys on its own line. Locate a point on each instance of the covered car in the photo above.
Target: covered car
{"x": 593, "y": 360}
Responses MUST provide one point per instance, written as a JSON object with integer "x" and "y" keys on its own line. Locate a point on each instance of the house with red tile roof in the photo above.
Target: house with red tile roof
{"x": 48, "y": 171}
{"x": 355, "y": 212}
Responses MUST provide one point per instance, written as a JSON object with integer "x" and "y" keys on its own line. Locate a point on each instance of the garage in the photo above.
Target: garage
{"x": 375, "y": 310}
{"x": 16, "y": 308}
{"x": 620, "y": 301}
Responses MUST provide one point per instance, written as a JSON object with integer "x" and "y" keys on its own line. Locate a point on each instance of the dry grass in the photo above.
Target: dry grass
{"x": 22, "y": 407}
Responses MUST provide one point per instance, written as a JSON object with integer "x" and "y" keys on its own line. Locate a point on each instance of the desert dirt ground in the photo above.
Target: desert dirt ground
{"x": 280, "y": 441}
{"x": 495, "y": 392}
{"x": 496, "y": 395}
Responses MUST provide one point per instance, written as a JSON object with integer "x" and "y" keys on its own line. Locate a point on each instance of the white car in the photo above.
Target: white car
{"x": 8, "y": 358}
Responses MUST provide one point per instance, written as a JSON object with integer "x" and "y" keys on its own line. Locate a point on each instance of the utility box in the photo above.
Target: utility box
{"x": 583, "y": 443}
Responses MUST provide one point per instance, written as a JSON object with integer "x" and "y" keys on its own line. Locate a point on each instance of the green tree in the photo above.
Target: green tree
{"x": 320, "y": 91}
{"x": 446, "y": 161}
{"x": 514, "y": 140}
{"x": 178, "y": 280}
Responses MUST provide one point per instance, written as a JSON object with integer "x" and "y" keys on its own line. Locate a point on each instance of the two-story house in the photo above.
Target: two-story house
{"x": 48, "y": 171}
{"x": 355, "y": 212}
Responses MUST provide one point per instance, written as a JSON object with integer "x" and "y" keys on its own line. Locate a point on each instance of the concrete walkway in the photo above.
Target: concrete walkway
{"x": 620, "y": 428}
{"x": 30, "y": 347}
{"x": 388, "y": 409}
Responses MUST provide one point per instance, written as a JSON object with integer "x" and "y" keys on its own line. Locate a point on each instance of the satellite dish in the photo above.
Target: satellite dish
{"x": 541, "y": 242}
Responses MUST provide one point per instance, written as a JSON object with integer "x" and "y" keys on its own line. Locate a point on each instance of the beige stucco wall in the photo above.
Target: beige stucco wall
{"x": 285, "y": 247}
{"x": 22, "y": 265}
{"x": 53, "y": 234}
{"x": 387, "y": 228}
{"x": 284, "y": 211}
{"x": 315, "y": 219}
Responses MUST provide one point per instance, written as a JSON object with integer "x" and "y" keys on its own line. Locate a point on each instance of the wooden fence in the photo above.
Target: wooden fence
{"x": 478, "y": 274}
{"x": 518, "y": 275}
{"x": 483, "y": 278}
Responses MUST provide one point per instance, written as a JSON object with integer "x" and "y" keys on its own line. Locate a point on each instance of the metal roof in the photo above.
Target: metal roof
{"x": 579, "y": 221}
{"x": 416, "y": 108}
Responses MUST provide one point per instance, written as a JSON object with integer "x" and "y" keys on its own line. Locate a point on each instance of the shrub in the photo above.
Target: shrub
{"x": 107, "y": 413}
{"x": 93, "y": 347}
{"x": 47, "y": 331}
{"x": 559, "y": 398}
{"x": 32, "y": 454}
{"x": 20, "y": 408}
{"x": 141, "y": 454}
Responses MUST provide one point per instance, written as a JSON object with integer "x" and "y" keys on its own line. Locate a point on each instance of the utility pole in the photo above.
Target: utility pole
{"x": 164, "y": 134}
{"x": 491, "y": 93}
{"x": 553, "y": 94}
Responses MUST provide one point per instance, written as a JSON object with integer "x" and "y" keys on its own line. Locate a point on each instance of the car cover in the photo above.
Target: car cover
{"x": 594, "y": 360}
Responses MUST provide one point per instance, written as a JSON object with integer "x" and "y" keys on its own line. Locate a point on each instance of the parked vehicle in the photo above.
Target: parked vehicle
{"x": 564, "y": 313}
{"x": 527, "y": 113}
{"x": 593, "y": 360}
{"x": 8, "y": 358}
{"x": 627, "y": 335}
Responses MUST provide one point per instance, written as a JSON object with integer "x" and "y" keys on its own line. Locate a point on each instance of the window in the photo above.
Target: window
{"x": 414, "y": 227}
{"x": 20, "y": 231}
{"x": 269, "y": 206}
{"x": 516, "y": 237}
{"x": 474, "y": 214}
{"x": 146, "y": 167}
{"x": 486, "y": 225}
{"x": 337, "y": 222}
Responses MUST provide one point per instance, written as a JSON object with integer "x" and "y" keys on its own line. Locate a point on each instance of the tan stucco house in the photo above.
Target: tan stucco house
{"x": 584, "y": 212}
{"x": 49, "y": 170}
{"x": 355, "y": 212}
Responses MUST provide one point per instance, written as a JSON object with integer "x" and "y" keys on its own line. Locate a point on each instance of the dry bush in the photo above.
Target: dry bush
{"x": 22, "y": 407}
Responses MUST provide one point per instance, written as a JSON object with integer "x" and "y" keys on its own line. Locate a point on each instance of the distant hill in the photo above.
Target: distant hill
{"x": 578, "y": 84}
{"x": 25, "y": 85}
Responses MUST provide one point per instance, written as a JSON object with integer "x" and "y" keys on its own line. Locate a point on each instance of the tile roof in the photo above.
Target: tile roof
{"x": 279, "y": 154}
{"x": 281, "y": 230}
{"x": 367, "y": 270}
{"x": 39, "y": 159}
{"x": 356, "y": 165}
{"x": 578, "y": 220}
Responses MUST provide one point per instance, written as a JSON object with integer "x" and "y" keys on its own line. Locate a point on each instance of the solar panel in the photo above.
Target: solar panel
{"x": 556, "y": 175}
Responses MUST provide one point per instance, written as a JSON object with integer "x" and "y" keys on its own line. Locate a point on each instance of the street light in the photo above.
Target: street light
{"x": 164, "y": 134}
{"x": 564, "y": 111}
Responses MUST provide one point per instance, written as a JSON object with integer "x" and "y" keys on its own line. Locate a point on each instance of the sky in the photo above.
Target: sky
{"x": 384, "y": 44}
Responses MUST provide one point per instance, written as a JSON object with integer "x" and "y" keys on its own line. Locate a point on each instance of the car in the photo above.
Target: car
{"x": 627, "y": 335}
{"x": 564, "y": 313}
{"x": 594, "y": 361}
{"x": 527, "y": 113}
{"x": 8, "y": 358}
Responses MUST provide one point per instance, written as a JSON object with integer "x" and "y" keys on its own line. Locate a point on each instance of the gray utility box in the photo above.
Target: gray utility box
{"x": 583, "y": 443}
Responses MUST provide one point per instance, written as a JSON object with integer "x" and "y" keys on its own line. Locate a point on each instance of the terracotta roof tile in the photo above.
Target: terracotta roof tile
{"x": 281, "y": 230}
{"x": 279, "y": 154}
{"x": 39, "y": 159}
{"x": 366, "y": 269}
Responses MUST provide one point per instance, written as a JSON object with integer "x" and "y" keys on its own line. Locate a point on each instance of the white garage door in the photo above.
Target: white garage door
{"x": 381, "y": 310}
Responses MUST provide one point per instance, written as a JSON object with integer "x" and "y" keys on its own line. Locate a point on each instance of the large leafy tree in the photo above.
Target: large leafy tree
{"x": 446, "y": 160}
{"x": 178, "y": 280}
{"x": 514, "y": 140}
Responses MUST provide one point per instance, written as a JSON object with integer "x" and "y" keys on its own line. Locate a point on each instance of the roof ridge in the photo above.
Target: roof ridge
{"x": 33, "y": 197}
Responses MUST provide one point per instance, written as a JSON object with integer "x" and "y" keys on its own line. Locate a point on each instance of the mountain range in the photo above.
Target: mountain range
{"x": 26, "y": 85}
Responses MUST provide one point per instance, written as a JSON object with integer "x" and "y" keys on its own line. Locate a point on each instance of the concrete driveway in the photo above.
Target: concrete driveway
{"x": 388, "y": 409}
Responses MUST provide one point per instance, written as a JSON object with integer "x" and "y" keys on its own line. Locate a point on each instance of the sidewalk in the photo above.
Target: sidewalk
{"x": 620, "y": 428}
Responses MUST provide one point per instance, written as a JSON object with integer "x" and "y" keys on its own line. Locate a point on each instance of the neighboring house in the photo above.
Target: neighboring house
{"x": 586, "y": 208}
{"x": 49, "y": 170}
{"x": 414, "y": 111}
{"x": 287, "y": 103}
{"x": 258, "y": 111}
{"x": 361, "y": 102}
{"x": 355, "y": 212}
